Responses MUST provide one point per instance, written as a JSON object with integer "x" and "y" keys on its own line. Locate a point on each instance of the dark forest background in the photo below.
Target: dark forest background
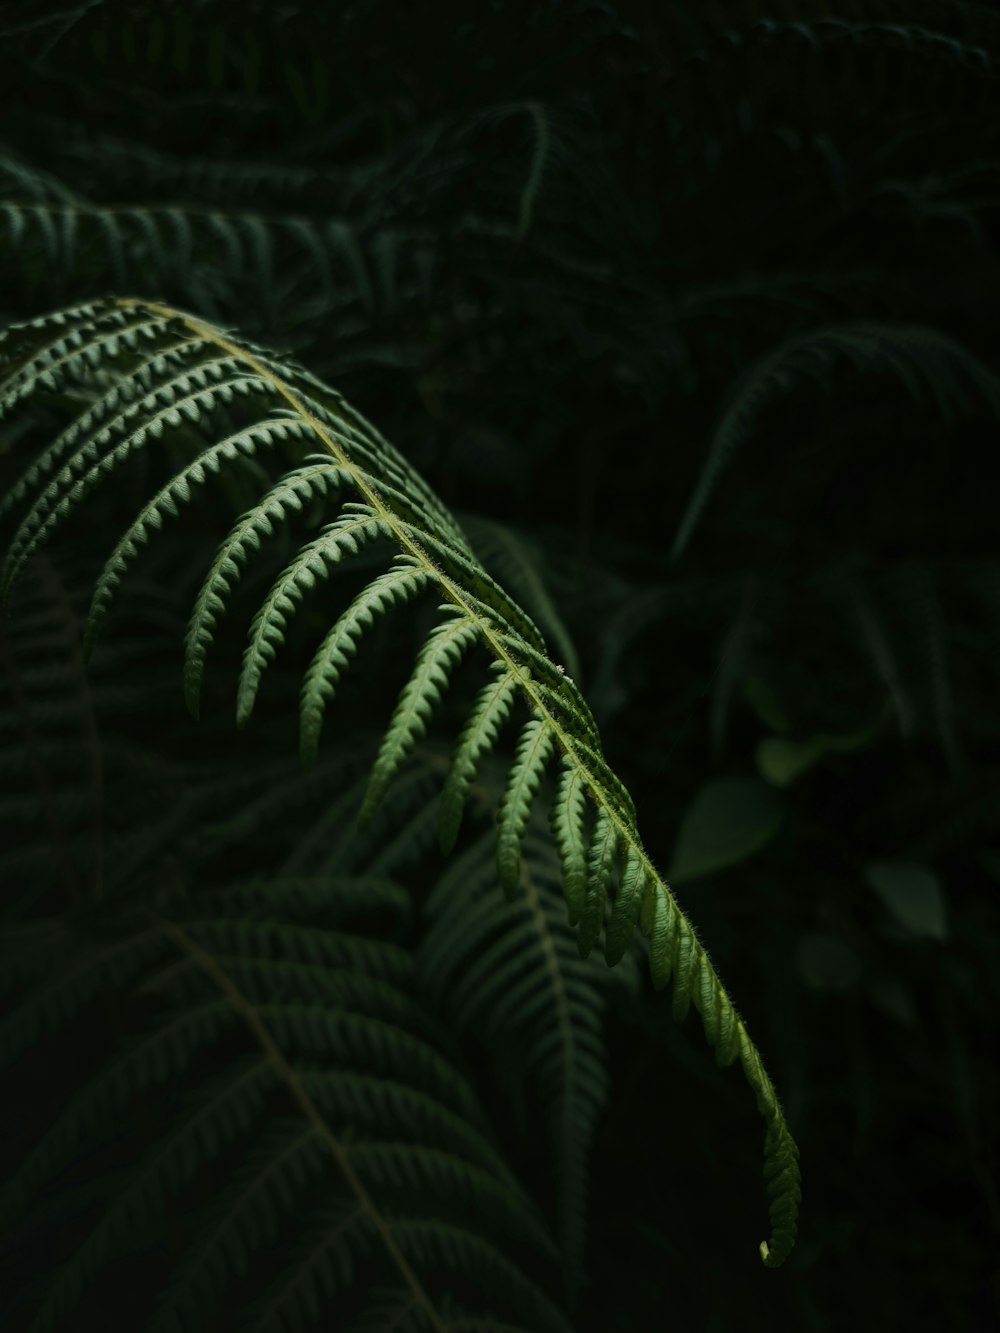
{"x": 689, "y": 312}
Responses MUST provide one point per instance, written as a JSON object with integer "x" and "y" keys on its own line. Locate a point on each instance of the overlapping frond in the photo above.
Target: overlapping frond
{"x": 172, "y": 374}
{"x": 511, "y": 969}
{"x": 355, "y": 1135}
{"x": 932, "y": 368}
{"x": 516, "y": 561}
{"x": 202, "y": 251}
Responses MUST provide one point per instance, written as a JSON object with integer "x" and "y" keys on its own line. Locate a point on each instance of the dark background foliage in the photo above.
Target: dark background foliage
{"x": 545, "y": 248}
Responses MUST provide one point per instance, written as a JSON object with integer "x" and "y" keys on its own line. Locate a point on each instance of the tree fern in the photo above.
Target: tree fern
{"x": 168, "y": 369}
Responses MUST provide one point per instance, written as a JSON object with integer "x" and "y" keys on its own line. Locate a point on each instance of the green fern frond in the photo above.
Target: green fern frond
{"x": 438, "y": 658}
{"x": 434, "y": 1242}
{"x": 533, "y": 753}
{"x": 601, "y": 858}
{"x": 404, "y": 581}
{"x": 227, "y": 1107}
{"x": 568, "y": 826}
{"x": 338, "y": 541}
{"x": 251, "y": 1211}
{"x": 296, "y": 490}
{"x": 386, "y": 1121}
{"x": 180, "y": 244}
{"x": 928, "y": 364}
{"x": 514, "y": 560}
{"x": 289, "y": 495}
{"x": 479, "y": 738}
{"x": 215, "y": 375}
{"x": 71, "y": 985}
{"x": 539, "y": 157}
{"x": 152, "y": 1060}
{"x": 511, "y": 968}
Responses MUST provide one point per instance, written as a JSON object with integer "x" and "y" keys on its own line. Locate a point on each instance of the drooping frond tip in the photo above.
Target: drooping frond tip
{"x": 163, "y": 371}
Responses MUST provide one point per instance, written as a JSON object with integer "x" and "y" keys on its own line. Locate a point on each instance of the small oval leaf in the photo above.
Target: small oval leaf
{"x": 913, "y": 894}
{"x": 728, "y": 821}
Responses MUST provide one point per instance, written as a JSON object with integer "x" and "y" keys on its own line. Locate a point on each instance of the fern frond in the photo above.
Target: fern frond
{"x": 404, "y": 581}
{"x": 250, "y": 1216}
{"x": 289, "y": 495}
{"x": 478, "y": 739}
{"x": 533, "y": 754}
{"x": 338, "y": 541}
{"x": 229, "y": 1107}
{"x": 515, "y": 561}
{"x": 439, "y": 657}
{"x": 928, "y": 364}
{"x": 197, "y": 376}
{"x": 539, "y": 156}
{"x": 70, "y": 986}
{"x": 434, "y": 1242}
{"x": 511, "y": 968}
{"x": 568, "y": 826}
{"x": 152, "y": 1060}
{"x": 628, "y": 903}
{"x": 385, "y": 1119}
{"x": 179, "y": 245}
{"x": 601, "y": 858}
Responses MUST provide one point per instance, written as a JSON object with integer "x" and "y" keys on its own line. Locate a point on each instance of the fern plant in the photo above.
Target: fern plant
{"x": 147, "y": 375}
{"x": 342, "y": 1121}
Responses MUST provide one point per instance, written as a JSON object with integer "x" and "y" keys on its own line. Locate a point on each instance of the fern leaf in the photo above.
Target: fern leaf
{"x": 625, "y": 913}
{"x": 431, "y": 1241}
{"x": 187, "y": 395}
{"x": 419, "y": 1135}
{"x": 512, "y": 968}
{"x": 74, "y": 352}
{"x": 109, "y": 405}
{"x": 485, "y": 595}
{"x": 568, "y": 812}
{"x": 219, "y": 1118}
{"x": 516, "y": 563}
{"x": 247, "y": 1217}
{"x": 478, "y": 739}
{"x": 289, "y": 495}
{"x": 405, "y": 581}
{"x": 539, "y": 156}
{"x": 196, "y": 381}
{"x": 533, "y": 753}
{"x": 438, "y": 658}
{"x": 339, "y": 540}
{"x": 315, "y": 480}
{"x": 601, "y": 854}
{"x": 924, "y": 360}
{"x": 153, "y": 1060}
